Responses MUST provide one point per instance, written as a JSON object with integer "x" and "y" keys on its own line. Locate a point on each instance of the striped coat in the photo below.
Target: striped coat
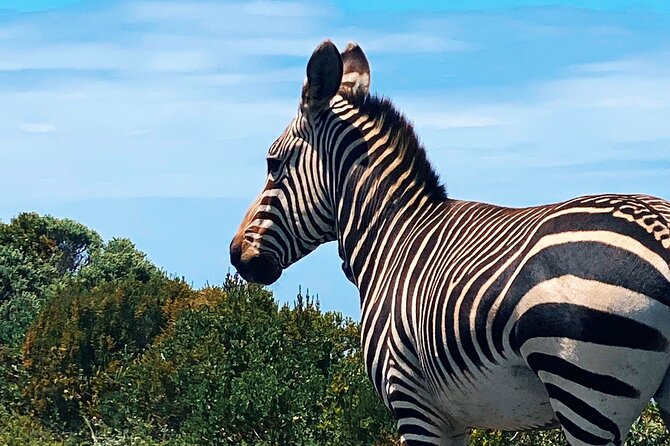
{"x": 473, "y": 315}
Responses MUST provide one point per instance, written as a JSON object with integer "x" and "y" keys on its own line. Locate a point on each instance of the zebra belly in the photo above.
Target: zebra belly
{"x": 509, "y": 396}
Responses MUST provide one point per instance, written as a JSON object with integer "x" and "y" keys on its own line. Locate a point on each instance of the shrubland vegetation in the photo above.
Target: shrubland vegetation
{"x": 100, "y": 347}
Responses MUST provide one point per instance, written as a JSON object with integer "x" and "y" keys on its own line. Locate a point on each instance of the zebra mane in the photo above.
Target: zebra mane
{"x": 400, "y": 130}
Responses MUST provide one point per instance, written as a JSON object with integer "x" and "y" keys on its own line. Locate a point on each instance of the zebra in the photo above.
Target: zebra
{"x": 473, "y": 315}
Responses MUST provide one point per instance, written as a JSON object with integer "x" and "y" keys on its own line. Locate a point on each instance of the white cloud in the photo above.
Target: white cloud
{"x": 268, "y": 46}
{"x": 283, "y": 9}
{"x": 230, "y": 19}
{"x": 454, "y": 120}
{"x": 76, "y": 56}
{"x": 293, "y": 75}
{"x": 578, "y": 122}
{"x": 37, "y": 127}
{"x": 15, "y": 31}
{"x": 649, "y": 64}
{"x": 137, "y": 133}
{"x": 183, "y": 98}
{"x": 631, "y": 102}
{"x": 179, "y": 61}
{"x": 161, "y": 11}
{"x": 399, "y": 43}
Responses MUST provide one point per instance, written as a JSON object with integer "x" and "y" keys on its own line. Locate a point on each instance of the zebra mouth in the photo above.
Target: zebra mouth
{"x": 263, "y": 269}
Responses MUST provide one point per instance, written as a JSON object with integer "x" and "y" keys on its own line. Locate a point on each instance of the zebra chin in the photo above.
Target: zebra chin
{"x": 264, "y": 276}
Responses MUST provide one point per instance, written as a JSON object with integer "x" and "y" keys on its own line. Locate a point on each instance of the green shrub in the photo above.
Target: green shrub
{"x": 63, "y": 243}
{"x": 649, "y": 429}
{"x": 82, "y": 334}
{"x": 23, "y": 430}
{"x": 35, "y": 253}
{"x": 13, "y": 377}
{"x": 117, "y": 260}
{"x": 233, "y": 368}
{"x": 213, "y": 378}
{"x": 42, "y": 249}
{"x": 16, "y": 315}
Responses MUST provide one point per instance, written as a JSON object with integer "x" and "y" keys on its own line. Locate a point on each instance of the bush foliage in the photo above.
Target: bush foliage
{"x": 99, "y": 347}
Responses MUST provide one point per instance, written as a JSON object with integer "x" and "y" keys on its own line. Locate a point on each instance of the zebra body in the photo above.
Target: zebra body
{"x": 524, "y": 266}
{"x": 473, "y": 315}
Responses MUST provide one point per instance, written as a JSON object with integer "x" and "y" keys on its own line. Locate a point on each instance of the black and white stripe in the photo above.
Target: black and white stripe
{"x": 473, "y": 315}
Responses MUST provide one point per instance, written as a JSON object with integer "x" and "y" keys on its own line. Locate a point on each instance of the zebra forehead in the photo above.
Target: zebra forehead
{"x": 355, "y": 80}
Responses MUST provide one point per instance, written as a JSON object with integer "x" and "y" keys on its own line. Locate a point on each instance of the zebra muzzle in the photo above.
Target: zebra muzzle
{"x": 253, "y": 265}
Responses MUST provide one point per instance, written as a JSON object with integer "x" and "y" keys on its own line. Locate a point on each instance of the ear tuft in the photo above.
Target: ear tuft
{"x": 324, "y": 75}
{"x": 356, "y": 71}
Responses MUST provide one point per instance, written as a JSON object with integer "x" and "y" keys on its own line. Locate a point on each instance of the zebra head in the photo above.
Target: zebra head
{"x": 295, "y": 212}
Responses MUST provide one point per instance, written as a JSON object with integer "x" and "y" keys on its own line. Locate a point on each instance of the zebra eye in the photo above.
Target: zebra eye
{"x": 273, "y": 165}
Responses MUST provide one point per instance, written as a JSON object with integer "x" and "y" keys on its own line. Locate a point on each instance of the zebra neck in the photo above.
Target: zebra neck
{"x": 380, "y": 175}
{"x": 367, "y": 227}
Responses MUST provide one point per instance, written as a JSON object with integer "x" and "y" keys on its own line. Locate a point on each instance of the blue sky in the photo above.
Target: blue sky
{"x": 150, "y": 120}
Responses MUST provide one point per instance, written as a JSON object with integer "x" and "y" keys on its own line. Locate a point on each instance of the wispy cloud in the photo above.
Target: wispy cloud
{"x": 455, "y": 120}
{"x": 284, "y": 9}
{"x": 648, "y": 64}
{"x": 583, "y": 131}
{"x": 37, "y": 127}
{"x": 168, "y": 94}
{"x": 72, "y": 56}
{"x": 291, "y": 75}
{"x": 137, "y": 133}
{"x": 402, "y": 43}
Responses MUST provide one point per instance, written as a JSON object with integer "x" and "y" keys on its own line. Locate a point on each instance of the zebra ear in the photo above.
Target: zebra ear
{"x": 356, "y": 73}
{"x": 324, "y": 75}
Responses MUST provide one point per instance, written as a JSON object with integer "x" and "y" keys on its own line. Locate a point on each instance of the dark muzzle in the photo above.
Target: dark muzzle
{"x": 252, "y": 265}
